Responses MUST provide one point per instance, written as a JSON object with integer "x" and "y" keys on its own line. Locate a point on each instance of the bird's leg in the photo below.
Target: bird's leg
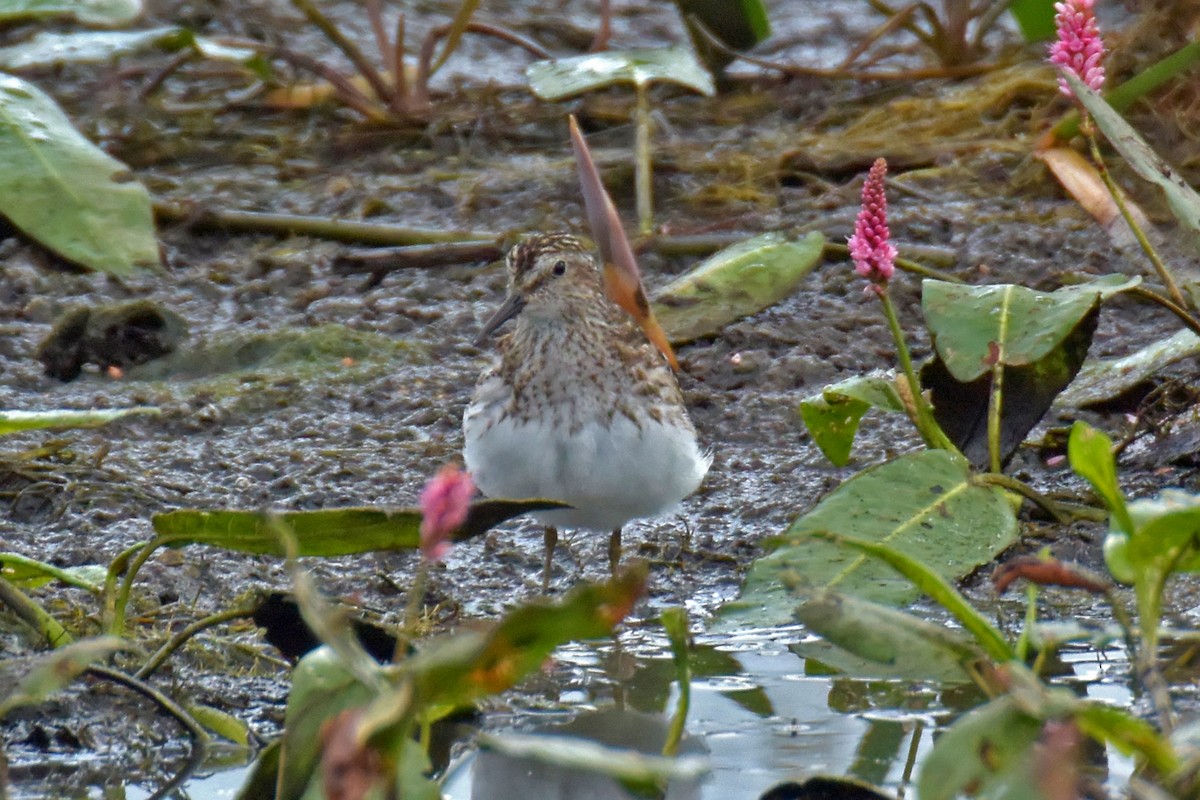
{"x": 550, "y": 537}
{"x": 614, "y": 551}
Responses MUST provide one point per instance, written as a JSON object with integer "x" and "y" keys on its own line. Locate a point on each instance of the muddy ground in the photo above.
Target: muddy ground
{"x": 363, "y": 399}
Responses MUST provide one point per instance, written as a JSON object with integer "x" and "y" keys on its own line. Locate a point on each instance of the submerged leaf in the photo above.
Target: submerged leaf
{"x": 1102, "y": 380}
{"x": 933, "y": 513}
{"x": 734, "y": 283}
{"x": 566, "y": 77}
{"x": 66, "y": 193}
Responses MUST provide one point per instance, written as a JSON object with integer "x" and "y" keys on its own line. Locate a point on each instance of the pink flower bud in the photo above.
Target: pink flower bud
{"x": 444, "y": 505}
{"x": 1079, "y": 47}
{"x": 874, "y": 255}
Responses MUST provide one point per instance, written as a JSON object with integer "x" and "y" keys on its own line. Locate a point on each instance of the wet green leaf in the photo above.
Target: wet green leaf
{"x": 1182, "y": 198}
{"x": 1128, "y": 734}
{"x": 66, "y": 193}
{"x": 15, "y": 421}
{"x": 89, "y": 12}
{"x": 49, "y": 48}
{"x": 974, "y": 327}
{"x": 326, "y": 532}
{"x": 31, "y": 573}
{"x": 222, "y": 723}
{"x": 738, "y": 24}
{"x": 734, "y": 283}
{"x": 1035, "y": 18}
{"x": 898, "y": 645}
{"x": 260, "y": 782}
{"x": 832, "y": 417}
{"x": 934, "y": 514}
{"x": 1091, "y": 456}
{"x": 987, "y": 753}
{"x": 54, "y": 671}
{"x": 1099, "y": 380}
{"x": 566, "y": 77}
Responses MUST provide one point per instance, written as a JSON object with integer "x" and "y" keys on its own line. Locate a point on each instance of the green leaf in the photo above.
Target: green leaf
{"x": 933, "y": 513}
{"x": 260, "y": 782}
{"x": 974, "y": 327}
{"x": 898, "y": 645}
{"x": 1181, "y": 197}
{"x": 65, "y": 192}
{"x": 935, "y": 588}
{"x": 640, "y": 772}
{"x": 675, "y": 623}
{"x": 54, "y": 671}
{"x": 326, "y": 532}
{"x": 737, "y": 24}
{"x": 832, "y": 417}
{"x": 1035, "y": 18}
{"x": 1090, "y": 454}
{"x": 110, "y": 13}
{"x": 738, "y": 281}
{"x": 1129, "y": 735}
{"x": 15, "y": 421}
{"x": 221, "y": 723}
{"x": 1101, "y": 380}
{"x": 48, "y": 48}
{"x": 566, "y": 77}
{"x": 988, "y": 753}
{"x": 31, "y": 573}
{"x": 322, "y": 687}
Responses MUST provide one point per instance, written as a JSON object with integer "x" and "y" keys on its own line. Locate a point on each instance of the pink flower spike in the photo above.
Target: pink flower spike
{"x": 444, "y": 505}
{"x": 1079, "y": 48}
{"x": 874, "y": 256}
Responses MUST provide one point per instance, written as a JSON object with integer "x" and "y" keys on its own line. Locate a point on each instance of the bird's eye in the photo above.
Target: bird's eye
{"x": 560, "y": 268}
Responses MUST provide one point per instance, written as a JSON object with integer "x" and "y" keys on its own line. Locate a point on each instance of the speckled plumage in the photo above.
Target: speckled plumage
{"x": 578, "y": 406}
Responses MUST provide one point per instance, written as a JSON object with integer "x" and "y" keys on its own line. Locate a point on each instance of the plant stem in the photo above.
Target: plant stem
{"x": 905, "y": 264}
{"x": 642, "y": 163}
{"x": 1118, "y": 197}
{"x": 930, "y": 431}
{"x": 117, "y": 626}
{"x": 412, "y": 608}
{"x": 33, "y": 615}
{"x": 1190, "y": 322}
{"x": 1056, "y": 510}
{"x": 60, "y": 575}
{"x": 349, "y": 48}
{"x": 177, "y": 641}
{"x": 995, "y": 406}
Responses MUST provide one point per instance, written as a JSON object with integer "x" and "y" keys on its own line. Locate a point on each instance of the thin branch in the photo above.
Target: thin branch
{"x": 361, "y": 63}
{"x": 180, "y": 638}
{"x": 420, "y": 256}
{"x": 1190, "y": 322}
{"x": 425, "y": 59}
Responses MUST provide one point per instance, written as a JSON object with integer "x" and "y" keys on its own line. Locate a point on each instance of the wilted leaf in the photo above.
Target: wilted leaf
{"x": 1082, "y": 181}
{"x": 987, "y": 753}
{"x": 565, "y": 77}
{"x": 1182, "y": 198}
{"x": 65, "y": 192}
{"x": 933, "y": 514}
{"x": 57, "y": 669}
{"x": 109, "y": 13}
{"x": 15, "y": 421}
{"x": 326, "y": 532}
{"x": 1099, "y": 381}
{"x": 832, "y": 417}
{"x": 899, "y": 645}
{"x": 734, "y": 283}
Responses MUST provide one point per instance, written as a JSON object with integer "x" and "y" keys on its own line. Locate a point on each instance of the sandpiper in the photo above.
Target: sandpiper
{"x": 578, "y": 406}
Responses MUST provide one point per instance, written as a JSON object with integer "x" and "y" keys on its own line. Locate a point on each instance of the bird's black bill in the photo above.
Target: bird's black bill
{"x": 511, "y": 307}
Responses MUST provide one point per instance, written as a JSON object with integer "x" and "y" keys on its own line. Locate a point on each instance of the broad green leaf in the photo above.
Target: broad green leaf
{"x": 1182, "y": 198}
{"x": 1035, "y": 18}
{"x": 737, "y": 24}
{"x": 641, "y": 772}
{"x": 1099, "y": 380}
{"x": 933, "y": 513}
{"x": 31, "y": 573}
{"x": 66, "y": 193}
{"x": 988, "y": 753}
{"x": 935, "y": 588}
{"x": 326, "y": 532}
{"x": 734, "y": 283}
{"x": 57, "y": 669}
{"x": 90, "y": 12}
{"x": 899, "y": 645}
{"x": 832, "y": 417}
{"x": 566, "y": 77}
{"x": 15, "y": 421}
{"x": 974, "y": 327}
{"x": 1090, "y": 454}
{"x": 322, "y": 687}
{"x": 222, "y": 723}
